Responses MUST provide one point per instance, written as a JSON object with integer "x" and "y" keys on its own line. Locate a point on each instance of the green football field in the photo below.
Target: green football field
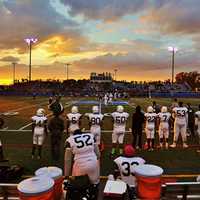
{"x": 17, "y": 138}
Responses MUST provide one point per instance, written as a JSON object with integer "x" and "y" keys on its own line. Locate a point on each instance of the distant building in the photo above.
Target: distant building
{"x": 101, "y": 78}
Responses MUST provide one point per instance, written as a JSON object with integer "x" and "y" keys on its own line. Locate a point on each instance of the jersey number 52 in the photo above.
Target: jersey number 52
{"x": 82, "y": 141}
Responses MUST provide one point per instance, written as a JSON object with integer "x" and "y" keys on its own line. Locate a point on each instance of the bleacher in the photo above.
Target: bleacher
{"x": 187, "y": 190}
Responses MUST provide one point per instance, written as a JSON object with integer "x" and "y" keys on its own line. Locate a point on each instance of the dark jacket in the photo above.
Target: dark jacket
{"x": 137, "y": 119}
{"x": 56, "y": 125}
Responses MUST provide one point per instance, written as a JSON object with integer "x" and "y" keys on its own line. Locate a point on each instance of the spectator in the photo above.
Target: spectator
{"x": 56, "y": 128}
{"x": 191, "y": 119}
{"x": 137, "y": 125}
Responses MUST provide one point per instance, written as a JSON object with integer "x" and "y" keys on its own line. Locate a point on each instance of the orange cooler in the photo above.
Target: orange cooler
{"x": 36, "y": 188}
{"x": 148, "y": 181}
{"x": 56, "y": 174}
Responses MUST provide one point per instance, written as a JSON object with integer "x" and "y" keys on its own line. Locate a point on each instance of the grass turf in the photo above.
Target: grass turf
{"x": 17, "y": 145}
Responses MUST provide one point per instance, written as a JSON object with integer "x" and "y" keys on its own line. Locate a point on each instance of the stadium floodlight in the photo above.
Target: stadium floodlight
{"x": 30, "y": 42}
{"x": 173, "y": 50}
{"x": 14, "y": 64}
{"x": 115, "y": 70}
{"x": 67, "y": 69}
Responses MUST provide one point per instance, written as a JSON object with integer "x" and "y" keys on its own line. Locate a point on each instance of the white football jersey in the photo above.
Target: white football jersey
{"x": 82, "y": 145}
{"x": 197, "y": 115}
{"x": 95, "y": 119}
{"x": 39, "y": 122}
{"x": 180, "y": 114}
{"x": 126, "y": 167}
{"x": 150, "y": 118}
{"x": 197, "y": 118}
{"x": 164, "y": 117}
{"x": 73, "y": 121}
{"x": 120, "y": 119}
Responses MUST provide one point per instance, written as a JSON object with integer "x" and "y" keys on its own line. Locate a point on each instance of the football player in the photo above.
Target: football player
{"x": 81, "y": 157}
{"x": 95, "y": 122}
{"x": 73, "y": 120}
{"x": 105, "y": 99}
{"x": 119, "y": 128}
{"x": 150, "y": 117}
{"x": 180, "y": 124}
{"x": 110, "y": 99}
{"x": 197, "y": 124}
{"x": 125, "y": 165}
{"x": 164, "y": 117}
{"x": 39, "y": 131}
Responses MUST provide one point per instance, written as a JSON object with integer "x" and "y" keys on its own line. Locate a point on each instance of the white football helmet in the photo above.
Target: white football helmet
{"x": 164, "y": 109}
{"x": 74, "y": 109}
{"x": 95, "y": 109}
{"x": 40, "y": 112}
{"x": 149, "y": 109}
{"x": 120, "y": 109}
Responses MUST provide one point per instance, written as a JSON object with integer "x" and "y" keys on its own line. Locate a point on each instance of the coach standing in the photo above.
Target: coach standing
{"x": 191, "y": 119}
{"x": 56, "y": 128}
{"x": 137, "y": 125}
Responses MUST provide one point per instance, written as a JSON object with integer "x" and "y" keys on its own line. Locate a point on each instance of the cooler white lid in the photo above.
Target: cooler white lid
{"x": 148, "y": 170}
{"x": 52, "y": 172}
{"x": 35, "y": 185}
{"x": 115, "y": 187}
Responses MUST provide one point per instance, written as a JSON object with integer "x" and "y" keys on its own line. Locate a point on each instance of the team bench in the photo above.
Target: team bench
{"x": 170, "y": 191}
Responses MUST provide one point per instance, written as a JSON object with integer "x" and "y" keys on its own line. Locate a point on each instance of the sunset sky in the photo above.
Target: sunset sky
{"x": 99, "y": 36}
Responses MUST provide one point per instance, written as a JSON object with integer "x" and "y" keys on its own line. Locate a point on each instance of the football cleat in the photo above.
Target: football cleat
{"x": 185, "y": 145}
{"x": 173, "y": 145}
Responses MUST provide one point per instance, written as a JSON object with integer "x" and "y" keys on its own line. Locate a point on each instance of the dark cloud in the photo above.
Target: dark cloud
{"x": 107, "y": 10}
{"x": 138, "y": 62}
{"x": 9, "y": 59}
{"x": 174, "y": 17}
{"x": 22, "y": 19}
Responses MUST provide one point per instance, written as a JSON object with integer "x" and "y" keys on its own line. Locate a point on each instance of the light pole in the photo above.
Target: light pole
{"x": 14, "y": 63}
{"x": 115, "y": 70}
{"x": 30, "y": 42}
{"x": 67, "y": 69}
{"x": 173, "y": 50}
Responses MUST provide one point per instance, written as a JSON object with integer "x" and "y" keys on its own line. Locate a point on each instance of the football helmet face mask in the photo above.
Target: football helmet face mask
{"x": 129, "y": 150}
{"x": 120, "y": 109}
{"x": 164, "y": 109}
{"x": 74, "y": 109}
{"x": 40, "y": 112}
{"x": 95, "y": 109}
{"x": 150, "y": 109}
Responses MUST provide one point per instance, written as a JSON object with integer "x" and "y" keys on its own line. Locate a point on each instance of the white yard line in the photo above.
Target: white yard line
{"x": 26, "y": 107}
{"x": 29, "y": 124}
